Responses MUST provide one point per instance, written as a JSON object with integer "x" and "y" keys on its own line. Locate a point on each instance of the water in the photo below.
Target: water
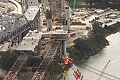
{"x": 92, "y": 68}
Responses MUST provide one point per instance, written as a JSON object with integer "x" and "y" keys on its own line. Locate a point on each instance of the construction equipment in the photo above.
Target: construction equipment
{"x": 77, "y": 75}
{"x": 64, "y": 73}
{"x": 68, "y": 62}
{"x": 74, "y": 7}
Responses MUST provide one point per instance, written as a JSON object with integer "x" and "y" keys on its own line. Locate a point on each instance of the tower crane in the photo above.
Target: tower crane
{"x": 74, "y": 7}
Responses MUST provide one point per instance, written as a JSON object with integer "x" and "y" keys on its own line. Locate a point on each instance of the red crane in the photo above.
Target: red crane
{"x": 68, "y": 62}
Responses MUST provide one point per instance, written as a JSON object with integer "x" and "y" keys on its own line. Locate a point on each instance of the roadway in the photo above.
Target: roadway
{"x": 19, "y": 8}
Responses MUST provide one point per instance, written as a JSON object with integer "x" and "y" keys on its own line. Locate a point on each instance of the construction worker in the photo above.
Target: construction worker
{"x": 64, "y": 73}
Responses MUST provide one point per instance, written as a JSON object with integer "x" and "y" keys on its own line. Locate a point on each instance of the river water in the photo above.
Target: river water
{"x": 98, "y": 67}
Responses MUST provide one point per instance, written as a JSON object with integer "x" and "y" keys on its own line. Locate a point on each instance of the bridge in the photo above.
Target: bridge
{"x": 17, "y": 25}
{"x": 53, "y": 49}
{"x": 57, "y": 38}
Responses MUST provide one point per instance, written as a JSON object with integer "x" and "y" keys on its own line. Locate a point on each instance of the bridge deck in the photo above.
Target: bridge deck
{"x": 39, "y": 74}
{"x": 16, "y": 67}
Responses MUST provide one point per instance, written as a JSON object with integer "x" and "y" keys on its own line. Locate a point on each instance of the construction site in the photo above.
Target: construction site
{"x": 41, "y": 31}
{"x": 44, "y": 31}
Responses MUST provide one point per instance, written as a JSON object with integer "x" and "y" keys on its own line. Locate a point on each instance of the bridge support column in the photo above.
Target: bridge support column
{"x": 40, "y": 23}
{"x": 63, "y": 47}
{"x": 67, "y": 17}
{"x": 34, "y": 25}
{"x": 62, "y": 4}
{"x": 65, "y": 27}
{"x": 14, "y": 41}
{"x": 49, "y": 20}
{"x": 16, "y": 38}
{"x": 49, "y": 24}
{"x": 19, "y": 38}
{"x": 37, "y": 23}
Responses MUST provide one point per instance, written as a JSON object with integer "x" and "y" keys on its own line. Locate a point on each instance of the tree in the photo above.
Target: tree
{"x": 98, "y": 29}
{"x": 39, "y": 1}
{"x": 7, "y": 59}
{"x": 1, "y": 78}
{"x": 83, "y": 48}
{"x": 90, "y": 2}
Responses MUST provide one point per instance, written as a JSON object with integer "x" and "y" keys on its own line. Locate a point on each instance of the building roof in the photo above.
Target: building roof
{"x": 31, "y": 12}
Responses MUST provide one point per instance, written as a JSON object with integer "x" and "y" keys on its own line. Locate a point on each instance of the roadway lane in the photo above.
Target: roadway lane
{"x": 19, "y": 8}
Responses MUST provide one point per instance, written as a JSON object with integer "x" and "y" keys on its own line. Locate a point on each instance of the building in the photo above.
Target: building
{"x": 32, "y": 3}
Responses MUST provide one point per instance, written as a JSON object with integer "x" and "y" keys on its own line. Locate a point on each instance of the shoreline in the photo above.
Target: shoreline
{"x": 98, "y": 49}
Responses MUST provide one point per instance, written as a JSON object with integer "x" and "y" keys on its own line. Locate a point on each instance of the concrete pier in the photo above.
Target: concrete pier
{"x": 20, "y": 38}
{"x": 65, "y": 27}
{"x": 67, "y": 17}
{"x": 49, "y": 20}
{"x": 62, "y": 4}
{"x": 63, "y": 47}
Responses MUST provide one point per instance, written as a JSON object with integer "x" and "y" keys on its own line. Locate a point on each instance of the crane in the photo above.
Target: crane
{"x": 68, "y": 62}
{"x": 74, "y": 7}
{"x": 105, "y": 67}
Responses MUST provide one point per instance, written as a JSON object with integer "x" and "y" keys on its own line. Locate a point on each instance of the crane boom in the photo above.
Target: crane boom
{"x": 74, "y": 7}
{"x": 103, "y": 70}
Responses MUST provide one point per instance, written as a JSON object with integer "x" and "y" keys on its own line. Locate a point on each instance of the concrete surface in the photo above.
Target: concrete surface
{"x": 19, "y": 8}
